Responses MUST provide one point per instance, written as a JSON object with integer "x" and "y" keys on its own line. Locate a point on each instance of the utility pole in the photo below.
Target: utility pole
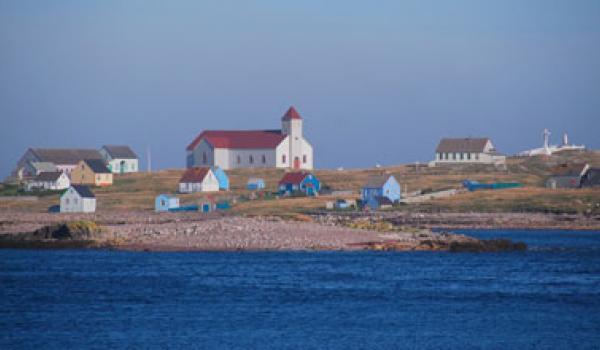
{"x": 149, "y": 159}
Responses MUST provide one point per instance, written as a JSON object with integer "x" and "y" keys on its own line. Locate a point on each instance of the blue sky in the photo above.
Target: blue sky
{"x": 376, "y": 82}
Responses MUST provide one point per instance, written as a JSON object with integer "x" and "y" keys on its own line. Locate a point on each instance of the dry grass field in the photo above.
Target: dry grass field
{"x": 137, "y": 191}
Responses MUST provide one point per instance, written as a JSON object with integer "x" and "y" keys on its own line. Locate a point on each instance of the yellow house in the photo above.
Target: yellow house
{"x": 91, "y": 172}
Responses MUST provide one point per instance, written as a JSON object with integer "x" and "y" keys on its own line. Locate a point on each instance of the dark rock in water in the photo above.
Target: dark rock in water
{"x": 75, "y": 230}
{"x": 492, "y": 245}
{"x": 61, "y": 235}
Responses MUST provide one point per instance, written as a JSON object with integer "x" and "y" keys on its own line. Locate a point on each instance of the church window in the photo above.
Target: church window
{"x": 304, "y": 159}
{"x": 251, "y": 159}
{"x": 283, "y": 159}
{"x": 239, "y": 159}
{"x": 264, "y": 159}
{"x": 204, "y": 158}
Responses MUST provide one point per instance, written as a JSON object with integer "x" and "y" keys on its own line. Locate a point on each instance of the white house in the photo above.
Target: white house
{"x": 78, "y": 199}
{"x": 120, "y": 159}
{"x": 467, "y": 151}
{"x": 198, "y": 180}
{"x": 230, "y": 149}
{"x": 49, "y": 181}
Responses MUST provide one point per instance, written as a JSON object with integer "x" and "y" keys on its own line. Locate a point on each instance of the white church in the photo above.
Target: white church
{"x": 231, "y": 149}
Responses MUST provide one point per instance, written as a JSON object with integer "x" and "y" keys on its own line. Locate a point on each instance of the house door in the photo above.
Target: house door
{"x": 296, "y": 163}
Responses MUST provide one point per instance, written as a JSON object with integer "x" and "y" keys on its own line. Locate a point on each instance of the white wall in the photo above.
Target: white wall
{"x": 244, "y": 156}
{"x": 132, "y": 165}
{"x": 210, "y": 184}
{"x": 71, "y": 202}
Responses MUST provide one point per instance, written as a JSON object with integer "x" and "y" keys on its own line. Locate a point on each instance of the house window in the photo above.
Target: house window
{"x": 67, "y": 201}
{"x": 204, "y": 158}
{"x": 75, "y": 201}
{"x": 462, "y": 156}
{"x": 264, "y": 159}
{"x": 453, "y": 155}
{"x": 239, "y": 159}
{"x": 283, "y": 159}
{"x": 304, "y": 159}
{"x": 469, "y": 156}
{"x": 251, "y": 159}
{"x": 477, "y": 156}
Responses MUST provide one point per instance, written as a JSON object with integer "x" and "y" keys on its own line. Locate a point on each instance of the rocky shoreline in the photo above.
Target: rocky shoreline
{"x": 173, "y": 232}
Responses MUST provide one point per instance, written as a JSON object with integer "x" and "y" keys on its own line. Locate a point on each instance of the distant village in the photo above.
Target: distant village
{"x": 75, "y": 172}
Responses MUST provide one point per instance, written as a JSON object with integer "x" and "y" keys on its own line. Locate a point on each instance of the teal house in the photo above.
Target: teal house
{"x": 299, "y": 182}
{"x": 380, "y": 190}
{"x": 255, "y": 183}
{"x": 165, "y": 202}
{"x": 222, "y": 178}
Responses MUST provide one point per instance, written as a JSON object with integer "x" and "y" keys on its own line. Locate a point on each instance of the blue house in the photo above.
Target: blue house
{"x": 255, "y": 183}
{"x": 380, "y": 190}
{"x": 165, "y": 202}
{"x": 222, "y": 178}
{"x": 299, "y": 182}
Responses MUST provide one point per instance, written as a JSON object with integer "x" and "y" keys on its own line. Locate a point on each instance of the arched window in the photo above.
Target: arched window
{"x": 283, "y": 159}
{"x": 264, "y": 159}
{"x": 304, "y": 159}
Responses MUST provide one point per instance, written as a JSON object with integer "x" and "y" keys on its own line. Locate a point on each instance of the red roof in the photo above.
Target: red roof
{"x": 291, "y": 113}
{"x": 293, "y": 178}
{"x": 194, "y": 175}
{"x": 239, "y": 139}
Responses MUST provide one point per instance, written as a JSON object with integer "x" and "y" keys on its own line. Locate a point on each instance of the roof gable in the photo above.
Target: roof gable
{"x": 120, "y": 152}
{"x": 294, "y": 178}
{"x": 97, "y": 166}
{"x": 291, "y": 113}
{"x": 83, "y": 191}
{"x": 574, "y": 169}
{"x": 239, "y": 139}
{"x": 378, "y": 181}
{"x": 64, "y": 156}
{"x": 471, "y": 145}
{"x": 48, "y": 176}
{"x": 194, "y": 175}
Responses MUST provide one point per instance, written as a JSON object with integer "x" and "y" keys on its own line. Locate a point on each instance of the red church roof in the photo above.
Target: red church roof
{"x": 194, "y": 175}
{"x": 239, "y": 139}
{"x": 293, "y": 178}
{"x": 291, "y": 113}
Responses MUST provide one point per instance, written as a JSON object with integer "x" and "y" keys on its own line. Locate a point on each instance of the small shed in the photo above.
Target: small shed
{"x": 222, "y": 178}
{"x": 299, "y": 182}
{"x": 165, "y": 202}
{"x": 378, "y": 186}
{"x": 255, "y": 183}
{"x": 78, "y": 199}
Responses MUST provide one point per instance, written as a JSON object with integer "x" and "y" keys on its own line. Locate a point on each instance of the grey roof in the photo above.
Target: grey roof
{"x": 48, "y": 176}
{"x": 44, "y": 167}
{"x": 121, "y": 152}
{"x": 471, "y": 145}
{"x": 591, "y": 178}
{"x": 83, "y": 191}
{"x": 64, "y": 156}
{"x": 376, "y": 181}
{"x": 97, "y": 166}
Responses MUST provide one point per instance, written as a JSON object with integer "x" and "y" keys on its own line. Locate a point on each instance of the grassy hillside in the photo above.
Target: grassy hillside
{"x": 137, "y": 191}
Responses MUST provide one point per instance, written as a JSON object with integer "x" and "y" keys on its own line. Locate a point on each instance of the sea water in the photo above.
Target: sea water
{"x": 545, "y": 298}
